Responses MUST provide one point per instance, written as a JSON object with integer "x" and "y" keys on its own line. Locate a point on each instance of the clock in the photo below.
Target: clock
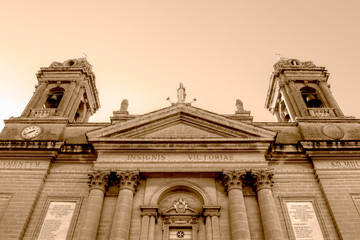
{"x": 31, "y": 132}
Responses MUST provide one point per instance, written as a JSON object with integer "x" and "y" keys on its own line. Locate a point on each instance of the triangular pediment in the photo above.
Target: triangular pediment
{"x": 180, "y": 122}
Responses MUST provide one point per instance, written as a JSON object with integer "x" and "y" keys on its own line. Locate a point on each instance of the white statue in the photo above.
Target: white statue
{"x": 181, "y": 95}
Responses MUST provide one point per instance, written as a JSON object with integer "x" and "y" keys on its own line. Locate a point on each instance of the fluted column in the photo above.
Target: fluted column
{"x": 128, "y": 181}
{"x": 233, "y": 182}
{"x": 268, "y": 211}
{"x": 149, "y": 216}
{"x": 98, "y": 183}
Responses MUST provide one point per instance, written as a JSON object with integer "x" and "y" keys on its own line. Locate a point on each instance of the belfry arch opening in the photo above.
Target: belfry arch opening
{"x": 54, "y": 97}
{"x": 311, "y": 98}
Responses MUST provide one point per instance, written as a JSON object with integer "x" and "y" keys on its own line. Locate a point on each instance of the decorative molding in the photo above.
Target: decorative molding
{"x": 99, "y": 179}
{"x": 180, "y": 206}
{"x": 50, "y": 145}
{"x": 211, "y": 211}
{"x": 128, "y": 179}
{"x": 150, "y": 211}
{"x": 292, "y": 63}
{"x": 333, "y": 131}
{"x": 180, "y": 184}
{"x": 72, "y": 63}
{"x": 233, "y": 179}
{"x": 76, "y": 148}
{"x": 263, "y": 179}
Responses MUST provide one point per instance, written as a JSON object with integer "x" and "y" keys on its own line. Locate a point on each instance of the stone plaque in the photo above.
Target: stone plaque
{"x": 57, "y": 221}
{"x": 303, "y": 220}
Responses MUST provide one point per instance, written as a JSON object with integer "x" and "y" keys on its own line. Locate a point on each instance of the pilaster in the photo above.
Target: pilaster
{"x": 149, "y": 218}
{"x": 212, "y": 215}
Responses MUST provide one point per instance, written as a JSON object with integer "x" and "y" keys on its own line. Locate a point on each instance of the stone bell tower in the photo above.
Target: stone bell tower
{"x": 299, "y": 90}
{"x": 65, "y": 90}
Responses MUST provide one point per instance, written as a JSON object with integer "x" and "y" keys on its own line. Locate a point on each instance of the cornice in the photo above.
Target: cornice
{"x": 183, "y": 144}
{"x": 31, "y": 145}
{"x": 328, "y": 145}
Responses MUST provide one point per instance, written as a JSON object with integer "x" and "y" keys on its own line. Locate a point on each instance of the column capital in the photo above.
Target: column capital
{"x": 128, "y": 179}
{"x": 233, "y": 179}
{"x": 211, "y": 211}
{"x": 149, "y": 211}
{"x": 263, "y": 179}
{"x": 98, "y": 179}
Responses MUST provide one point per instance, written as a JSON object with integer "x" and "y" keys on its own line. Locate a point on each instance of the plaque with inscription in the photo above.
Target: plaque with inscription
{"x": 303, "y": 220}
{"x": 57, "y": 221}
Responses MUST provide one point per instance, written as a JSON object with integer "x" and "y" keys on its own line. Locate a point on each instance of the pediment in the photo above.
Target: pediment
{"x": 181, "y": 122}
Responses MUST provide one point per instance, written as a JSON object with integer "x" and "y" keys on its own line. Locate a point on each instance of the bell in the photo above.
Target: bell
{"x": 312, "y": 101}
{"x": 52, "y": 101}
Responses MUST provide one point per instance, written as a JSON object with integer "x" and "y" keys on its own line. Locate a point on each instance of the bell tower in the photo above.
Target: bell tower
{"x": 299, "y": 90}
{"x": 65, "y": 90}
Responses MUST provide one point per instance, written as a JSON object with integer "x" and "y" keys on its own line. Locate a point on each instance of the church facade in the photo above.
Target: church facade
{"x": 180, "y": 172}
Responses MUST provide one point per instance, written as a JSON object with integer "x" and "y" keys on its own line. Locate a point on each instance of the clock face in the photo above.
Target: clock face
{"x": 31, "y": 132}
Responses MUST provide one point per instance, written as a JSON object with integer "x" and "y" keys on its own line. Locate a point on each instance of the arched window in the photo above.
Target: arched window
{"x": 54, "y": 97}
{"x": 311, "y": 98}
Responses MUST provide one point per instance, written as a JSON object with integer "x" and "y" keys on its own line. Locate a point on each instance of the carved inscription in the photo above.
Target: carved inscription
{"x": 304, "y": 222}
{"x": 20, "y": 164}
{"x": 57, "y": 221}
{"x": 345, "y": 164}
{"x": 211, "y": 157}
{"x": 186, "y": 157}
{"x": 146, "y": 157}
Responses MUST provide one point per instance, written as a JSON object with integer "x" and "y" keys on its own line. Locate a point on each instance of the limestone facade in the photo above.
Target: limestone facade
{"x": 180, "y": 172}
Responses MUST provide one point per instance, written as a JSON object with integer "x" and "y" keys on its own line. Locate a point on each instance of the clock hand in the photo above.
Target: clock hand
{"x": 31, "y": 131}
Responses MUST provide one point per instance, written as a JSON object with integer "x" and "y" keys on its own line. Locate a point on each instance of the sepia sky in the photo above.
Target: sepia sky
{"x": 142, "y": 50}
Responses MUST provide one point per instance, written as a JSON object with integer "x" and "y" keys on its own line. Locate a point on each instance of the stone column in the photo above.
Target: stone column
{"x": 128, "y": 181}
{"x": 329, "y": 97}
{"x": 212, "y": 214}
{"x": 65, "y": 99}
{"x": 35, "y": 100}
{"x": 98, "y": 183}
{"x": 299, "y": 101}
{"x": 149, "y": 216}
{"x": 269, "y": 217}
{"x": 288, "y": 102}
{"x": 233, "y": 182}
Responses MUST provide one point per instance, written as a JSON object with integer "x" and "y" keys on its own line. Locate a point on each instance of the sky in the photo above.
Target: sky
{"x": 142, "y": 49}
